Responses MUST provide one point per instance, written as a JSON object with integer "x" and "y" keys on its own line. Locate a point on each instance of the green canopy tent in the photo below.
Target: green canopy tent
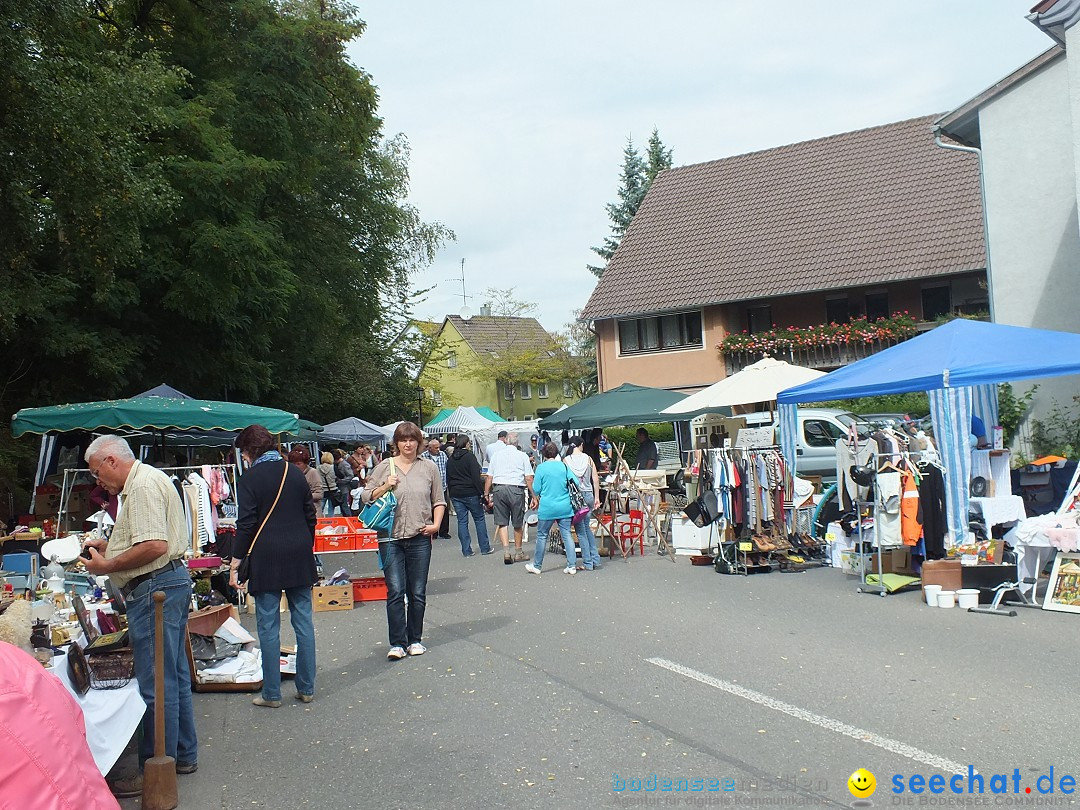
{"x": 628, "y": 404}
{"x": 151, "y": 413}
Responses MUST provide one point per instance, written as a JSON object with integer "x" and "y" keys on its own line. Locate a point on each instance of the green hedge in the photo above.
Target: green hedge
{"x": 659, "y": 432}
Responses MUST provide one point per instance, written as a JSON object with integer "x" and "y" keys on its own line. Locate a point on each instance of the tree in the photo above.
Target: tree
{"x": 575, "y": 352}
{"x": 517, "y": 357}
{"x": 635, "y": 178}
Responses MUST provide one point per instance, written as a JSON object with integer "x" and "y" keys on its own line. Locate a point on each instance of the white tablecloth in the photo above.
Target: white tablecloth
{"x": 111, "y": 716}
{"x": 996, "y": 511}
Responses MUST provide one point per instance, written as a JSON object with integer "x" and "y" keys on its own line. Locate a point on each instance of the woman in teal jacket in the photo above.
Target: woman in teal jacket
{"x": 552, "y": 501}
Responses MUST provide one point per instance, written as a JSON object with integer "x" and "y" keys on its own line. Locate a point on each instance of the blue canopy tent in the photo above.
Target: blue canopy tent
{"x": 958, "y": 365}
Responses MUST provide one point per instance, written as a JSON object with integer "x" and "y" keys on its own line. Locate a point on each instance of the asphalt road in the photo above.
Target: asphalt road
{"x": 570, "y": 692}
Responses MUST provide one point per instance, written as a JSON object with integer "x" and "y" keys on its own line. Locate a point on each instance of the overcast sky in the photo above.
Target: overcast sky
{"x": 518, "y": 112}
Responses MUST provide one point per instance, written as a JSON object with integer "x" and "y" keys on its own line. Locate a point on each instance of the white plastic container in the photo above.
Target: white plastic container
{"x": 930, "y": 594}
{"x": 946, "y": 599}
{"x": 967, "y": 598}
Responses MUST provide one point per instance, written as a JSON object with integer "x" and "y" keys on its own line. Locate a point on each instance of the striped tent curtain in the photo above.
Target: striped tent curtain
{"x": 984, "y": 404}
{"x": 789, "y": 426}
{"x": 950, "y": 409}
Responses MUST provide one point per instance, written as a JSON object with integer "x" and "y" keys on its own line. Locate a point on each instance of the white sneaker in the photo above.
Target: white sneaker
{"x": 395, "y": 653}
{"x": 569, "y": 570}
{"x": 532, "y": 569}
{"x": 416, "y": 648}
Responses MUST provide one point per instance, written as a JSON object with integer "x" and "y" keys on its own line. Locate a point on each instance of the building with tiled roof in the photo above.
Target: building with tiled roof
{"x": 460, "y": 345}
{"x": 861, "y": 224}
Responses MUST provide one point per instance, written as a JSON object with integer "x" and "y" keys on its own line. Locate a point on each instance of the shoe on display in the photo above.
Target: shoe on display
{"x": 395, "y": 653}
{"x": 532, "y": 569}
{"x": 127, "y": 788}
{"x": 416, "y": 648}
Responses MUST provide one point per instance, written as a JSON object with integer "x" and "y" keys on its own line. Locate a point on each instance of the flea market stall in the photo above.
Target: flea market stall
{"x": 959, "y": 365}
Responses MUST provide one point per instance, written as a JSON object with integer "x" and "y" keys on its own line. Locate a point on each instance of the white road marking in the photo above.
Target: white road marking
{"x": 862, "y": 735}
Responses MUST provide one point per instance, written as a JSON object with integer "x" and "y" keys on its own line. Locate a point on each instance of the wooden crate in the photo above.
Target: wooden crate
{"x": 332, "y": 597}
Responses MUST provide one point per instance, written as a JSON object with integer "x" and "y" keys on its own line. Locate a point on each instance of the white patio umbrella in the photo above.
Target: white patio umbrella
{"x": 758, "y": 382}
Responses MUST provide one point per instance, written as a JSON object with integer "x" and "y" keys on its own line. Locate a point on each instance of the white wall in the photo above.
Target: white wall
{"x": 1030, "y": 150}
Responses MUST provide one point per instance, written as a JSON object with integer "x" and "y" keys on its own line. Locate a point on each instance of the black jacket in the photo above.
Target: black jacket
{"x": 283, "y": 556}
{"x": 463, "y": 475}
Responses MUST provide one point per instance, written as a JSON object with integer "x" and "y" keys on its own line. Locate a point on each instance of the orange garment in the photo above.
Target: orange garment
{"x": 910, "y": 514}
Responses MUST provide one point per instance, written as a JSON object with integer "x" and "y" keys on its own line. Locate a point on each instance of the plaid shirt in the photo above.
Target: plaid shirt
{"x": 440, "y": 462}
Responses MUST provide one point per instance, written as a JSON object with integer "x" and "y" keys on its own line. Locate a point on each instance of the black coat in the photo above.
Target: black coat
{"x": 283, "y": 556}
{"x": 463, "y": 475}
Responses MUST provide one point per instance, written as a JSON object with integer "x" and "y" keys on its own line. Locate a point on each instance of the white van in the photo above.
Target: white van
{"x": 819, "y": 428}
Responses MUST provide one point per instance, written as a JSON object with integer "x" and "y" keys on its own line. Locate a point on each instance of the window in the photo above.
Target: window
{"x": 936, "y": 302}
{"x": 526, "y": 391}
{"x": 758, "y": 319}
{"x": 819, "y": 433}
{"x": 526, "y": 417}
{"x": 877, "y": 306}
{"x": 436, "y": 397}
{"x": 662, "y": 333}
{"x": 508, "y": 390}
{"x": 567, "y": 389}
{"x": 541, "y": 390}
{"x": 837, "y": 310}
{"x": 451, "y": 360}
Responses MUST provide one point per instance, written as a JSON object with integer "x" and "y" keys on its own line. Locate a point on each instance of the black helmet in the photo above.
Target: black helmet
{"x": 863, "y": 476}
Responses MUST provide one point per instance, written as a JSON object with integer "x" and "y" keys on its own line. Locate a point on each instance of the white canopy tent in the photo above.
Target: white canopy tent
{"x": 758, "y": 382}
{"x": 463, "y": 420}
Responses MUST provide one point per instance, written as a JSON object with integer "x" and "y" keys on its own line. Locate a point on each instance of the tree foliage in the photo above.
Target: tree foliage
{"x": 635, "y": 178}
{"x": 201, "y": 193}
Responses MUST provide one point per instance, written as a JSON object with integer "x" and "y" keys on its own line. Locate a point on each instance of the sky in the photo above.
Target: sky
{"x": 517, "y": 112}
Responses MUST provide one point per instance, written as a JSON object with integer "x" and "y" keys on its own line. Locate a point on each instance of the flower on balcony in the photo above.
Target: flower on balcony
{"x": 899, "y": 326}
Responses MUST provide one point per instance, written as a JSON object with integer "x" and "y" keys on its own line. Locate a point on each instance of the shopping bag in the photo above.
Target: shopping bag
{"x": 379, "y": 514}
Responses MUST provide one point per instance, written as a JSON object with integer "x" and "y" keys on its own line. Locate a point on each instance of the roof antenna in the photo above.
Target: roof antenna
{"x": 465, "y": 312}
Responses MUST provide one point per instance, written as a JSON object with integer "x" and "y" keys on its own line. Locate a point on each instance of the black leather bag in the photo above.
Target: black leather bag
{"x": 704, "y": 510}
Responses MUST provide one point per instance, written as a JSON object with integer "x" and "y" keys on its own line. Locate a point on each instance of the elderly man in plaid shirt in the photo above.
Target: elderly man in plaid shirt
{"x": 435, "y": 453}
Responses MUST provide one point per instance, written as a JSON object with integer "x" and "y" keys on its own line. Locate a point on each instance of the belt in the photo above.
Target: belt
{"x": 135, "y": 582}
{"x": 512, "y": 486}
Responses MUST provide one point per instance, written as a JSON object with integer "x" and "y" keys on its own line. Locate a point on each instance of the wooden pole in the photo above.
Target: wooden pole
{"x": 159, "y": 772}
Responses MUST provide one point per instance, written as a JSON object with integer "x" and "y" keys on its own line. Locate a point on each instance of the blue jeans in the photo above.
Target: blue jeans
{"x": 589, "y": 554}
{"x": 328, "y": 505}
{"x": 268, "y": 620}
{"x": 567, "y": 540}
{"x": 405, "y": 566}
{"x": 471, "y": 504}
{"x": 180, "y": 740}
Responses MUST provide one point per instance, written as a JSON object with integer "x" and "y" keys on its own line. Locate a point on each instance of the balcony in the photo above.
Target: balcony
{"x": 822, "y": 357}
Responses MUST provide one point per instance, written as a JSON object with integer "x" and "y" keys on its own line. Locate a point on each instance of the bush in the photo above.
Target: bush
{"x": 1059, "y": 433}
{"x": 659, "y": 432}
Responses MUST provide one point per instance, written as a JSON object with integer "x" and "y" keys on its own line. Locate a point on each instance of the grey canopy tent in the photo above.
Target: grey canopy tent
{"x": 353, "y": 429}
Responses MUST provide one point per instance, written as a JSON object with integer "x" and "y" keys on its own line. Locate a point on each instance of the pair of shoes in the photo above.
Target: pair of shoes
{"x": 520, "y": 556}
{"x": 489, "y": 551}
{"x": 416, "y": 648}
{"x": 395, "y": 653}
{"x": 304, "y": 698}
{"x": 532, "y": 569}
{"x": 507, "y": 559}
{"x": 569, "y": 570}
{"x": 183, "y": 768}
{"x": 270, "y": 704}
{"x": 127, "y": 788}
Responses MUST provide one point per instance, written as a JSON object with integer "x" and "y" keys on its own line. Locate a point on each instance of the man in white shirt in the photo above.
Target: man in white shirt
{"x": 507, "y": 486}
{"x": 495, "y": 446}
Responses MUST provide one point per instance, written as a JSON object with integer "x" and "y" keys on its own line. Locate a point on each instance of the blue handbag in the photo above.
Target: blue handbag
{"x": 379, "y": 514}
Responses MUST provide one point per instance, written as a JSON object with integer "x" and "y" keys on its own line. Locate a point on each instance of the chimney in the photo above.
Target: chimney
{"x": 485, "y": 309}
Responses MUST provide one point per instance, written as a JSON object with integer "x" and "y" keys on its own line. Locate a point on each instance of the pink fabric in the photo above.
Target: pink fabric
{"x": 1064, "y": 539}
{"x": 46, "y": 762}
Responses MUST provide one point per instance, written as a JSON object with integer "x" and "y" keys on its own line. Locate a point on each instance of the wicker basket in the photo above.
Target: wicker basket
{"x": 111, "y": 670}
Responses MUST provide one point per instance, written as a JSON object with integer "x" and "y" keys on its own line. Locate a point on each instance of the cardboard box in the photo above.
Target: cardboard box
{"x": 945, "y": 573}
{"x": 893, "y": 560}
{"x": 205, "y": 622}
{"x": 332, "y": 597}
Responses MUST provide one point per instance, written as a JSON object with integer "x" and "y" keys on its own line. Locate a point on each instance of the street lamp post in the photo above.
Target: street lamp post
{"x": 420, "y": 406}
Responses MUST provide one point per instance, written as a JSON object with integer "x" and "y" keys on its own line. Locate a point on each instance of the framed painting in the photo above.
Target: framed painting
{"x": 1063, "y": 592}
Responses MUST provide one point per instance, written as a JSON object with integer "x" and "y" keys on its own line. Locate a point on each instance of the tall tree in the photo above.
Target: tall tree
{"x": 635, "y": 178}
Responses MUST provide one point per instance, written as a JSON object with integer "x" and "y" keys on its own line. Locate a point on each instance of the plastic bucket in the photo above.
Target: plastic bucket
{"x": 946, "y": 599}
{"x": 967, "y": 598}
{"x": 930, "y": 594}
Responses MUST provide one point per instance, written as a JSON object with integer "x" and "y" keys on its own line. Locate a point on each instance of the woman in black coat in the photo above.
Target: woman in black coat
{"x": 466, "y": 491}
{"x": 282, "y": 527}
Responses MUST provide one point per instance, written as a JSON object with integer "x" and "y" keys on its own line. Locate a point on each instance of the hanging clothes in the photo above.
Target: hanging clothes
{"x": 887, "y": 509}
{"x": 910, "y": 513}
{"x": 934, "y": 516}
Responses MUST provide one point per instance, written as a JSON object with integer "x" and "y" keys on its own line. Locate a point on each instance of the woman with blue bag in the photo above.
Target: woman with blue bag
{"x": 552, "y": 503}
{"x": 405, "y": 551}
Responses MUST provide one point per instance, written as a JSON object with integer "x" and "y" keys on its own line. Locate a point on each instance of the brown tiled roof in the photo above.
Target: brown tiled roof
{"x": 491, "y": 334}
{"x": 868, "y": 207}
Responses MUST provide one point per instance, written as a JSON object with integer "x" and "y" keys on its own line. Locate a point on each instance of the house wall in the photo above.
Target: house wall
{"x": 693, "y": 369}
{"x": 1029, "y": 158}
{"x": 456, "y": 387}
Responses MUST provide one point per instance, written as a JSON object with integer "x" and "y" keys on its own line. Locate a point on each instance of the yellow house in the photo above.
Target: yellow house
{"x": 504, "y": 363}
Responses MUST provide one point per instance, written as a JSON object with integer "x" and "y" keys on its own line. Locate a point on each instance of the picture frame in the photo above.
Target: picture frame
{"x": 78, "y": 670}
{"x": 1063, "y": 592}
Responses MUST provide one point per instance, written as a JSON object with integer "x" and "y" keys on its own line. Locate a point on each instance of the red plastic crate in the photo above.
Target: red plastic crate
{"x": 367, "y": 540}
{"x": 368, "y": 589}
{"x": 346, "y": 541}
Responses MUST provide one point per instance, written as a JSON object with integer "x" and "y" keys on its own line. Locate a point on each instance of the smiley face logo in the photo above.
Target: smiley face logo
{"x": 862, "y": 784}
